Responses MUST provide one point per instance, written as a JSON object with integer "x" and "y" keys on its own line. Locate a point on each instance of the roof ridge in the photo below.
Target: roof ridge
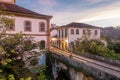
{"x": 28, "y": 10}
{"x": 79, "y": 25}
{"x": 19, "y": 9}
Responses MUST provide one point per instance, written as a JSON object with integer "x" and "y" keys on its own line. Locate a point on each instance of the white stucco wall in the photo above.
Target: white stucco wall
{"x": 73, "y": 37}
{"x": 93, "y": 36}
{"x": 19, "y": 27}
{"x": 40, "y": 38}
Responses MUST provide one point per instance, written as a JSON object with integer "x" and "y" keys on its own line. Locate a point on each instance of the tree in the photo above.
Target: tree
{"x": 115, "y": 46}
{"x": 13, "y": 52}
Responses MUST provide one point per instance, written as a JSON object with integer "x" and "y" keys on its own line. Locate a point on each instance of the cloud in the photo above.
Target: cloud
{"x": 96, "y": 1}
{"x": 106, "y": 22}
{"x": 62, "y": 18}
{"x": 47, "y": 3}
{"x": 105, "y": 12}
{"x": 84, "y": 12}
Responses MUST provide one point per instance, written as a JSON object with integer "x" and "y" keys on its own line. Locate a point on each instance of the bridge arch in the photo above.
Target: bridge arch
{"x": 63, "y": 75}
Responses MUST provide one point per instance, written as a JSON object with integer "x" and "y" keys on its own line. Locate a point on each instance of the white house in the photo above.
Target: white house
{"x": 73, "y": 31}
{"x": 28, "y": 22}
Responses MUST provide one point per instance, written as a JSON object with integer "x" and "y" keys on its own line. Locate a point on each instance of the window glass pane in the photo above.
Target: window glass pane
{"x": 84, "y": 32}
{"x": 89, "y": 32}
{"x": 65, "y": 32}
{"x": 77, "y": 31}
{"x": 96, "y": 32}
{"x": 11, "y": 28}
{"x": 62, "y": 32}
{"x": 27, "y": 26}
{"x": 59, "y": 33}
{"x": 72, "y": 31}
{"x": 42, "y": 26}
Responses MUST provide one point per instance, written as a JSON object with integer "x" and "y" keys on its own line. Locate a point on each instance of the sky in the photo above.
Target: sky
{"x": 102, "y": 13}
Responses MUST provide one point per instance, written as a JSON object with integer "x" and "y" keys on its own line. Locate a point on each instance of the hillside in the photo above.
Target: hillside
{"x": 111, "y": 32}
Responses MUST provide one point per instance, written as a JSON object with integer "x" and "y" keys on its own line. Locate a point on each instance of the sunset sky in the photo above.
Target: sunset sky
{"x": 101, "y": 13}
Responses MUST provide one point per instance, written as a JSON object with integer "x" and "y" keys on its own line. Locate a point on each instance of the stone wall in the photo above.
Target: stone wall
{"x": 82, "y": 67}
{"x": 100, "y": 58}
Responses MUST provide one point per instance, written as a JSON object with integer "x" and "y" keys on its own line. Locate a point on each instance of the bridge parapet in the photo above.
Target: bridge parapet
{"x": 82, "y": 66}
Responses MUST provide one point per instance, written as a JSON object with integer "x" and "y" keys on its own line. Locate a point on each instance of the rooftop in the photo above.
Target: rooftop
{"x": 13, "y": 8}
{"x": 79, "y": 25}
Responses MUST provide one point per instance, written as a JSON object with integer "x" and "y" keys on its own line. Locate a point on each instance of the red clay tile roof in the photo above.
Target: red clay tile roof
{"x": 18, "y": 9}
{"x": 79, "y": 25}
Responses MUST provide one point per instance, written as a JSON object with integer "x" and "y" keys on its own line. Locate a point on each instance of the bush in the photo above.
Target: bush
{"x": 96, "y": 47}
{"x": 115, "y": 47}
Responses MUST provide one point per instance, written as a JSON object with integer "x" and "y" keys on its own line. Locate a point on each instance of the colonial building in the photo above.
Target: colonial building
{"x": 28, "y": 22}
{"x": 73, "y": 31}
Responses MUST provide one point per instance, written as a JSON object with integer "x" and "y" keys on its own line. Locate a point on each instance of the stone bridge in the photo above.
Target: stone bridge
{"x": 77, "y": 68}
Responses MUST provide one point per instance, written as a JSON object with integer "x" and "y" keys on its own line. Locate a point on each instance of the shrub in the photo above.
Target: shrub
{"x": 96, "y": 47}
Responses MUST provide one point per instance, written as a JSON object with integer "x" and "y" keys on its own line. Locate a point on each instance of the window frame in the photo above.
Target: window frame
{"x": 96, "y": 32}
{"x": 41, "y": 27}
{"x": 77, "y": 31}
{"x": 84, "y": 31}
{"x": 62, "y": 34}
{"x": 59, "y": 33}
{"x": 26, "y": 26}
{"x": 12, "y": 29}
{"x": 89, "y": 32}
{"x": 66, "y": 32}
{"x": 72, "y": 31}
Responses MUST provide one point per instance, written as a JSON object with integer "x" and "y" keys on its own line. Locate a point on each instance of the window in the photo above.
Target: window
{"x": 59, "y": 33}
{"x": 12, "y": 28}
{"x": 77, "y": 31}
{"x": 42, "y": 27}
{"x": 27, "y": 26}
{"x": 96, "y": 32}
{"x": 65, "y": 32}
{"x": 72, "y": 31}
{"x": 89, "y": 32}
{"x": 12, "y": 25}
{"x": 62, "y": 33}
{"x": 84, "y": 32}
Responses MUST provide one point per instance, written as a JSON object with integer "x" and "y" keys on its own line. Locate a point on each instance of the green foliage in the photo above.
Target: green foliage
{"x": 115, "y": 46}
{"x": 34, "y": 61}
{"x": 12, "y": 49}
{"x": 11, "y": 77}
{"x": 42, "y": 45}
{"x": 42, "y": 74}
{"x": 28, "y": 78}
{"x": 49, "y": 65}
{"x": 6, "y": 21}
{"x": 95, "y": 47}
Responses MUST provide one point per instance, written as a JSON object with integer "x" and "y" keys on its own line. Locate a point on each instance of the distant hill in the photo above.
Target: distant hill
{"x": 111, "y": 32}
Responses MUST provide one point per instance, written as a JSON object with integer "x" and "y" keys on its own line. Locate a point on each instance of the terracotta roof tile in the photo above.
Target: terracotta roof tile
{"x": 79, "y": 25}
{"x": 18, "y": 9}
